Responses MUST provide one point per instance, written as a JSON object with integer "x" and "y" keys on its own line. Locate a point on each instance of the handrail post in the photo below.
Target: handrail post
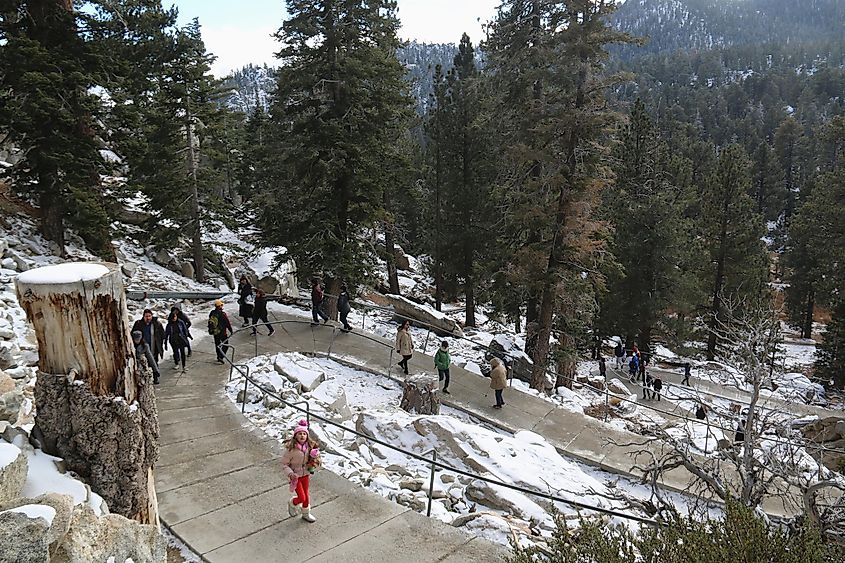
{"x": 390, "y": 362}
{"x": 255, "y": 338}
{"x": 606, "y": 397}
{"x": 425, "y": 346}
{"x": 431, "y": 482}
{"x": 243, "y": 404}
{"x": 231, "y": 360}
{"x": 364, "y": 319}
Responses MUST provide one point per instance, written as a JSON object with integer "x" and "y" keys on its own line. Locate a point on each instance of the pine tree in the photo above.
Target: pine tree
{"x": 732, "y": 232}
{"x": 648, "y": 235}
{"x": 46, "y": 74}
{"x": 340, "y": 95}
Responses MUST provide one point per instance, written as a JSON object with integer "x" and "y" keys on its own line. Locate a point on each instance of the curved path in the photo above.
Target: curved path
{"x": 221, "y": 491}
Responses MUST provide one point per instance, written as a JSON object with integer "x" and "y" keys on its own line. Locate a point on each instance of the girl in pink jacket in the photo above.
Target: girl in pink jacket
{"x": 299, "y": 462}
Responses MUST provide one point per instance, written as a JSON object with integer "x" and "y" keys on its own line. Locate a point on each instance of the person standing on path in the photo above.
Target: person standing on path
{"x": 259, "y": 312}
{"x": 317, "y": 296}
{"x": 220, "y": 328}
{"x": 647, "y": 382}
{"x": 634, "y": 367}
{"x": 498, "y": 380}
{"x": 176, "y": 333}
{"x": 687, "y": 372}
{"x": 658, "y": 385}
{"x": 442, "y": 361}
{"x": 602, "y": 368}
{"x": 404, "y": 344}
{"x": 184, "y": 318}
{"x": 142, "y": 350}
{"x": 153, "y": 334}
{"x": 245, "y": 300}
{"x": 343, "y": 308}
{"x": 299, "y": 462}
{"x": 619, "y": 354}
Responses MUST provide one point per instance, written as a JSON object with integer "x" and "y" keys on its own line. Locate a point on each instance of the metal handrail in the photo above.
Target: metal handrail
{"x": 421, "y": 457}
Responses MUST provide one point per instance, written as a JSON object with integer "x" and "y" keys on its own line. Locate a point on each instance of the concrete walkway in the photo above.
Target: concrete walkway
{"x": 221, "y": 490}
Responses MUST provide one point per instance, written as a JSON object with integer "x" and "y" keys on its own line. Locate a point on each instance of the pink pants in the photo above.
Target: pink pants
{"x": 302, "y": 492}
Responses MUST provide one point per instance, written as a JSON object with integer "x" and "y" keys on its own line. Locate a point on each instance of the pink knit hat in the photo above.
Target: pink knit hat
{"x": 301, "y": 426}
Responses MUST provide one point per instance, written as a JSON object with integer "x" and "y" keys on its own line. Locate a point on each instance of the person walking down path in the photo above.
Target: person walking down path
{"x": 176, "y": 333}
{"x": 184, "y": 318}
{"x": 299, "y": 462}
{"x": 344, "y": 308}
{"x": 317, "y": 298}
{"x": 619, "y": 354}
{"x": 142, "y": 350}
{"x": 220, "y": 328}
{"x": 687, "y": 372}
{"x": 602, "y": 367}
{"x": 498, "y": 380}
{"x": 442, "y": 361}
{"x": 647, "y": 382}
{"x": 246, "y": 300}
{"x": 404, "y": 344}
{"x": 259, "y": 312}
{"x": 657, "y": 384}
{"x": 152, "y": 332}
{"x": 634, "y": 367}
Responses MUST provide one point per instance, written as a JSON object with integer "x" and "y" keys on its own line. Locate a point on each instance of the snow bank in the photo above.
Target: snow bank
{"x": 64, "y": 273}
{"x": 33, "y": 511}
{"x": 8, "y": 453}
{"x": 43, "y": 477}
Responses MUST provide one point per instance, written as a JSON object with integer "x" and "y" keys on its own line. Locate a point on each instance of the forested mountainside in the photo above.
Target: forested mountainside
{"x": 671, "y": 25}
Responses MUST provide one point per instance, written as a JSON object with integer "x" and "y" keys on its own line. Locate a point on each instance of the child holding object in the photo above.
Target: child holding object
{"x": 299, "y": 462}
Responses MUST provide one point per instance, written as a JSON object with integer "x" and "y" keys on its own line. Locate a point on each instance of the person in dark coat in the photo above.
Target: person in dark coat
{"x": 176, "y": 333}
{"x": 184, "y": 318}
{"x": 343, "y": 307}
{"x": 619, "y": 354}
{"x": 647, "y": 385}
{"x": 142, "y": 350}
{"x": 317, "y": 302}
{"x": 152, "y": 333}
{"x": 657, "y": 384}
{"x": 246, "y": 300}
{"x": 220, "y": 328}
{"x": 701, "y": 412}
{"x": 259, "y": 312}
{"x": 602, "y": 367}
{"x": 687, "y": 372}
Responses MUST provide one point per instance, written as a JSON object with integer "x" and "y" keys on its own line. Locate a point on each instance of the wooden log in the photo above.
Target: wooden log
{"x": 421, "y": 394}
{"x": 94, "y": 402}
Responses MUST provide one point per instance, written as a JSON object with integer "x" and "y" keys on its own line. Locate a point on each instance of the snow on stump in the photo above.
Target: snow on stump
{"x": 439, "y": 322}
{"x": 421, "y": 394}
{"x": 95, "y": 406}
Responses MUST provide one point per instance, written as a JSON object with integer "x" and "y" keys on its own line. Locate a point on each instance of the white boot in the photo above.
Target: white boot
{"x": 306, "y": 515}
{"x": 293, "y": 509}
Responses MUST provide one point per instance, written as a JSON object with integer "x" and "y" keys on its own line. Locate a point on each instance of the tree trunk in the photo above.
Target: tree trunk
{"x": 544, "y": 332}
{"x": 807, "y": 329}
{"x": 719, "y": 280}
{"x": 193, "y": 164}
{"x": 52, "y": 220}
{"x": 95, "y": 405}
{"x": 330, "y": 299}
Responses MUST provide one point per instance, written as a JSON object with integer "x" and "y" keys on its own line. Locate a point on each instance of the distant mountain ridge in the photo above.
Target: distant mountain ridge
{"x": 672, "y": 25}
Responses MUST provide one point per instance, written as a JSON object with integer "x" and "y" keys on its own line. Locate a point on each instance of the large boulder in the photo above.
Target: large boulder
{"x": 13, "y": 471}
{"x": 8, "y": 353}
{"x": 436, "y": 320}
{"x": 265, "y": 272}
{"x": 301, "y": 372}
{"x": 23, "y": 539}
{"x": 56, "y": 508}
{"x": 829, "y": 429}
{"x": 10, "y": 405}
{"x": 518, "y": 362}
{"x": 401, "y": 259}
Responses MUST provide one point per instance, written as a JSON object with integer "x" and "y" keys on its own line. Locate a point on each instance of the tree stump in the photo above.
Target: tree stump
{"x": 421, "y": 394}
{"x": 95, "y": 404}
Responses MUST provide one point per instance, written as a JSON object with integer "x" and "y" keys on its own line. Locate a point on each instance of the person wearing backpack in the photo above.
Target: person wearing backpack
{"x": 442, "y": 361}
{"x": 220, "y": 328}
{"x": 633, "y": 367}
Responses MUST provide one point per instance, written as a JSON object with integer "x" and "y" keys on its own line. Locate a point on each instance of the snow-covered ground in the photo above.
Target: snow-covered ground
{"x": 369, "y": 403}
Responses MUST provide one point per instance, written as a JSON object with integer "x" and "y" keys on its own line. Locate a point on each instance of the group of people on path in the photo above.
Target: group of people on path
{"x": 151, "y": 339}
{"x": 252, "y": 305}
{"x": 318, "y": 299}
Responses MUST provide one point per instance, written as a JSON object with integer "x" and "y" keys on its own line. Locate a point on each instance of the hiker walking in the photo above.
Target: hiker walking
{"x": 152, "y": 332}
{"x": 633, "y": 367}
{"x": 498, "y": 380}
{"x": 343, "y": 307}
{"x": 220, "y": 328}
{"x": 246, "y": 300}
{"x": 647, "y": 383}
{"x": 176, "y": 333}
{"x": 701, "y": 412}
{"x": 404, "y": 344}
{"x": 142, "y": 350}
{"x": 687, "y": 371}
{"x": 259, "y": 312}
{"x": 657, "y": 384}
{"x": 317, "y": 302}
{"x": 442, "y": 361}
{"x": 602, "y": 367}
{"x": 619, "y": 354}
{"x": 643, "y": 362}
{"x": 299, "y": 462}
{"x": 184, "y": 318}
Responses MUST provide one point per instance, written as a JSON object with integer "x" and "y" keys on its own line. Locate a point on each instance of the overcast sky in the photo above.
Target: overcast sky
{"x": 239, "y": 32}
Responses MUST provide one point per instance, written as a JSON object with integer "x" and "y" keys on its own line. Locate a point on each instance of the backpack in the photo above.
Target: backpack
{"x": 213, "y": 324}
